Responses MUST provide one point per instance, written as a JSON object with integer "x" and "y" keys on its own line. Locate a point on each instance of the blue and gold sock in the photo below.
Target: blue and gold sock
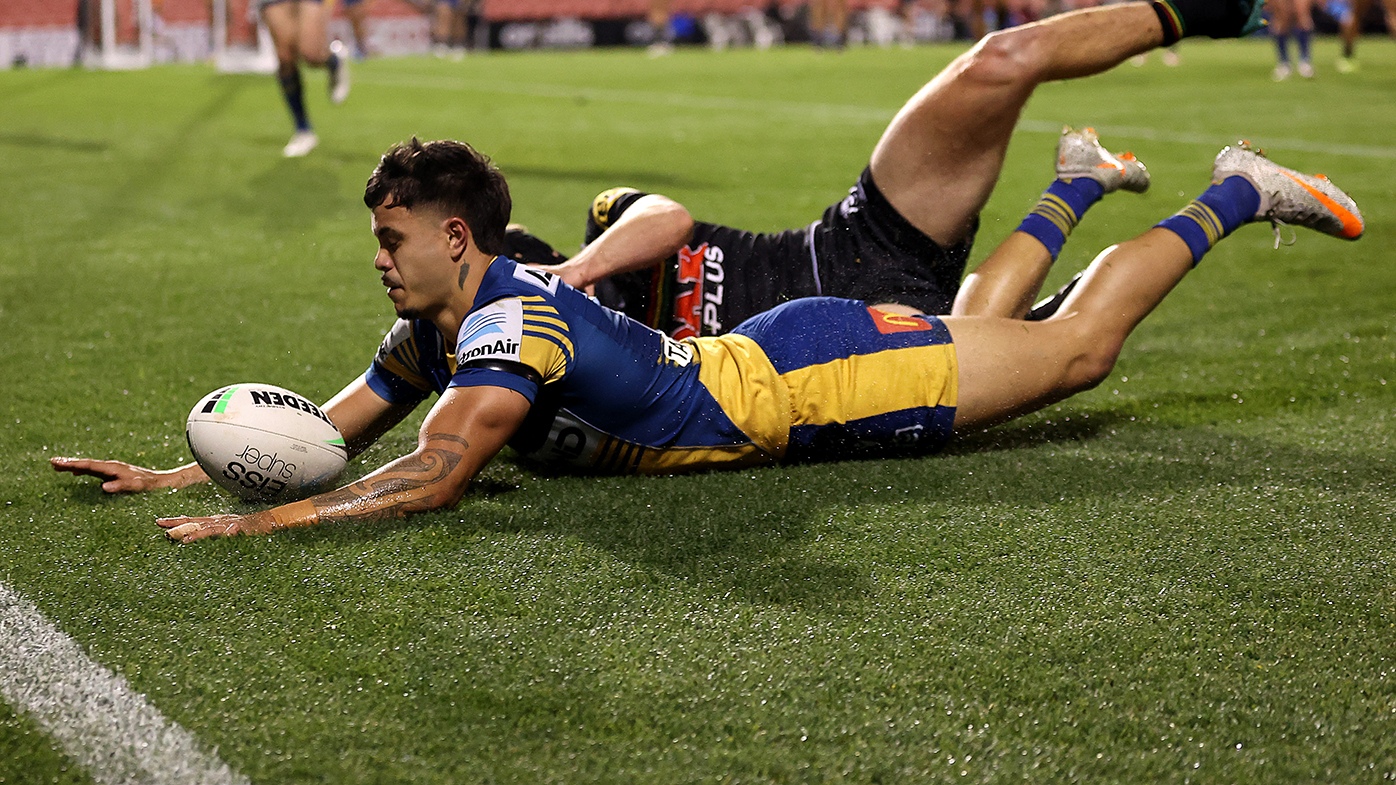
{"x": 1304, "y": 37}
{"x": 1061, "y": 207}
{"x": 292, "y": 91}
{"x": 1214, "y": 215}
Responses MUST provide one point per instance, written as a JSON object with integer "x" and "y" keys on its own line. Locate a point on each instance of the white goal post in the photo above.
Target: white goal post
{"x": 243, "y": 56}
{"x": 113, "y": 55}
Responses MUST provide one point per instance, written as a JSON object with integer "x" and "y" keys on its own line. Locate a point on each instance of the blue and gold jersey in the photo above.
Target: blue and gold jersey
{"x": 814, "y": 379}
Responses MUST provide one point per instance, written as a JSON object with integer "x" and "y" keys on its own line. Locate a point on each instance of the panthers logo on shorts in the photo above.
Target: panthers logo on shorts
{"x": 888, "y": 323}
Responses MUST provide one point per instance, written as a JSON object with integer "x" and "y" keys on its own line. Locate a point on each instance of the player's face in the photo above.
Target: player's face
{"x": 414, "y": 256}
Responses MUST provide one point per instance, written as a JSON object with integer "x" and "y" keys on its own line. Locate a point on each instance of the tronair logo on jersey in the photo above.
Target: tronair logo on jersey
{"x": 701, "y": 271}
{"x": 495, "y": 331}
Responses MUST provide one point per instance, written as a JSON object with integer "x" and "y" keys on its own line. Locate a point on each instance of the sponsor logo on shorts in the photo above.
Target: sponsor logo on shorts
{"x": 701, "y": 271}
{"x": 888, "y": 323}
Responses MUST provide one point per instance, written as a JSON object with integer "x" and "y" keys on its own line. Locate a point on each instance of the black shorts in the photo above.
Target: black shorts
{"x": 861, "y": 249}
{"x": 867, "y": 251}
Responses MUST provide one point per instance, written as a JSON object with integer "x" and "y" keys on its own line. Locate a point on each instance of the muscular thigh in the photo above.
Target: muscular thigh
{"x": 314, "y": 23}
{"x": 1008, "y": 368}
{"x": 940, "y": 157}
{"x": 283, "y": 22}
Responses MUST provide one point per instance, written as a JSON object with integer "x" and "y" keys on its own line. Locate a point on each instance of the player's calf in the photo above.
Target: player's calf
{"x": 1085, "y": 171}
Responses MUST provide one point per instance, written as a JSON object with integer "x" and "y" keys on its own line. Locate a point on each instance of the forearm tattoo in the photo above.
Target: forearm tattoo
{"x": 405, "y": 488}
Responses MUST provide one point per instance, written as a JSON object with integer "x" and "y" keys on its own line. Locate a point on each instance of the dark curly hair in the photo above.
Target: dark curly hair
{"x": 448, "y": 175}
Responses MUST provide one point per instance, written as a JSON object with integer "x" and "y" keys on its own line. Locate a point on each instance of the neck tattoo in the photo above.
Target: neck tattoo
{"x": 464, "y": 271}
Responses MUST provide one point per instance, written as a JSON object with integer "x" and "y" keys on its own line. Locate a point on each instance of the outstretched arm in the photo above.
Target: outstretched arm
{"x": 122, "y": 477}
{"x": 465, "y": 429}
{"x": 357, "y": 411}
{"x": 651, "y": 230}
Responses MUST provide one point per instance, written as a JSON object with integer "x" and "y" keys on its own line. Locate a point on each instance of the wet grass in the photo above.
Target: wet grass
{"x": 1183, "y": 575}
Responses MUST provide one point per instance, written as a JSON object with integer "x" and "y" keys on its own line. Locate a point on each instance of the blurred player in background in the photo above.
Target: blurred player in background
{"x": 1351, "y": 25}
{"x": 1292, "y": 19}
{"x": 453, "y": 26}
{"x": 969, "y": 19}
{"x": 661, "y": 28}
{"x": 828, "y": 23}
{"x": 356, "y": 11}
{"x": 299, "y": 31}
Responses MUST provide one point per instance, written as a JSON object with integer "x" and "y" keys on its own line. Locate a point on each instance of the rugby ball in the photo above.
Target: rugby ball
{"x": 264, "y": 443}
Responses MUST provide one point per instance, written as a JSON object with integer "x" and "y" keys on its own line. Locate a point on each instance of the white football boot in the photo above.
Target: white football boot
{"x": 339, "y": 77}
{"x": 302, "y": 142}
{"x": 1288, "y": 197}
{"x": 1080, "y": 154}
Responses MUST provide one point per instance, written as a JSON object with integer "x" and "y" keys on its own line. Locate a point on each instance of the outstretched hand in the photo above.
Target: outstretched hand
{"x": 119, "y": 476}
{"x": 186, "y": 529}
{"x": 569, "y": 274}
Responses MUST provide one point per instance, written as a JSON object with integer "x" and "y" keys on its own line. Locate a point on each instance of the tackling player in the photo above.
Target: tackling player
{"x": 646, "y": 257}
{"x": 518, "y": 357}
{"x": 902, "y": 236}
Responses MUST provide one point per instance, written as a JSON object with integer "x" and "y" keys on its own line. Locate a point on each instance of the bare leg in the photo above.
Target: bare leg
{"x": 358, "y": 21}
{"x": 658, "y": 17}
{"x": 1010, "y": 368}
{"x": 1005, "y": 284}
{"x": 1352, "y": 26}
{"x": 283, "y": 22}
{"x": 313, "y": 43}
{"x": 441, "y": 24}
{"x": 940, "y": 157}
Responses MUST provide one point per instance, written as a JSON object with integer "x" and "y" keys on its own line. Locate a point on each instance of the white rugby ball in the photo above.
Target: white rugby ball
{"x": 264, "y": 443}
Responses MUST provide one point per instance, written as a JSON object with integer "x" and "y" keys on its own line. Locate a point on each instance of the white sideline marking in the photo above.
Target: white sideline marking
{"x": 825, "y": 111}
{"x": 102, "y": 723}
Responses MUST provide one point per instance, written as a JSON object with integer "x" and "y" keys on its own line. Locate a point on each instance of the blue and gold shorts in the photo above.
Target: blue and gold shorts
{"x": 862, "y": 382}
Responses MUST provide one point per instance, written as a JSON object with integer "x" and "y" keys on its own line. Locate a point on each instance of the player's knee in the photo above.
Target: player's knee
{"x": 287, "y": 58}
{"x": 1015, "y": 55}
{"x": 1091, "y": 366}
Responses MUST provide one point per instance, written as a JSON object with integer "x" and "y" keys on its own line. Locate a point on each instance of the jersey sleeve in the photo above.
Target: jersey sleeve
{"x": 519, "y": 343}
{"x": 607, "y": 208}
{"x": 397, "y": 374}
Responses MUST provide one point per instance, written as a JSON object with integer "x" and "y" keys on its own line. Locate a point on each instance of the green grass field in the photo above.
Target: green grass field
{"x": 1182, "y": 576}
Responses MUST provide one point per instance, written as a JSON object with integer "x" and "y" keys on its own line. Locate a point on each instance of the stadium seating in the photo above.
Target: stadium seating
{"x": 511, "y": 10}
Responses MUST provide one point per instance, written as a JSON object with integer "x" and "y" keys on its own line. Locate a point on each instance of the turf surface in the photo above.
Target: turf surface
{"x": 1184, "y": 575}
